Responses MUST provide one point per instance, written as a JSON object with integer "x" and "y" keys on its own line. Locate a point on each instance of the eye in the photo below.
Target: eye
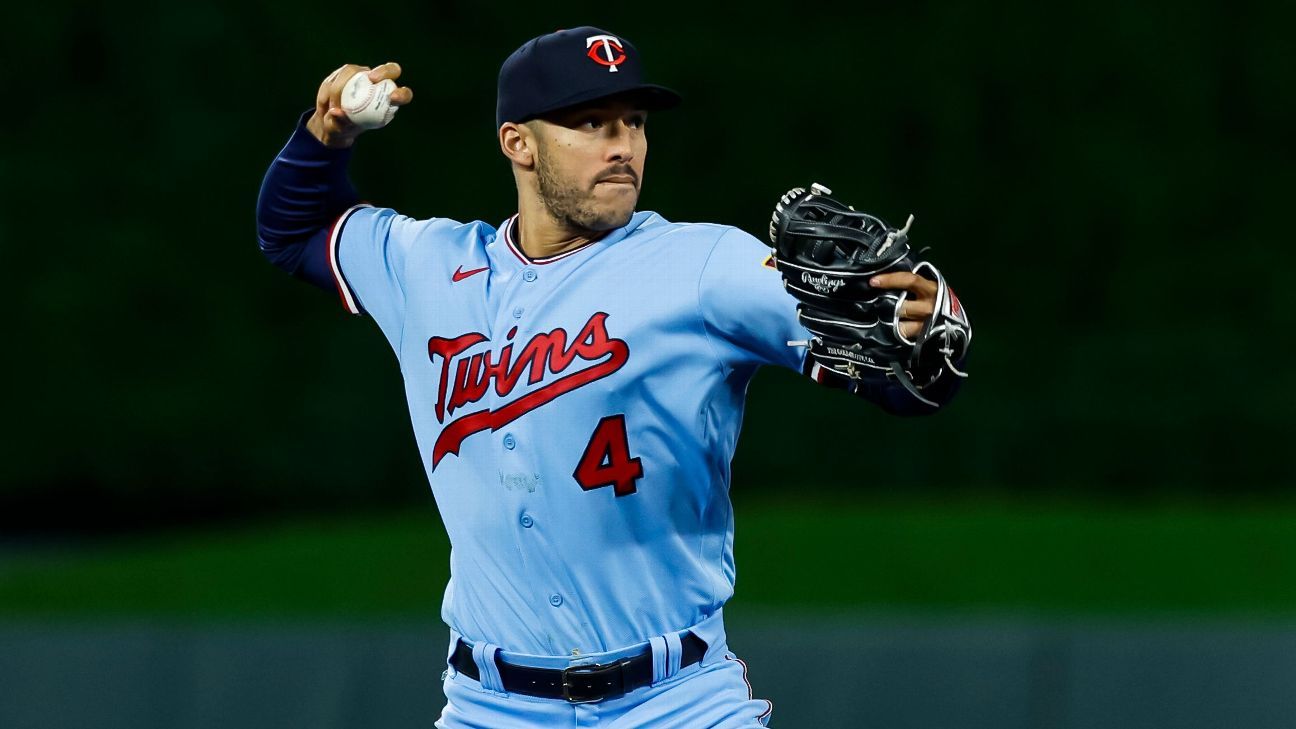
{"x": 637, "y": 121}
{"x": 592, "y": 122}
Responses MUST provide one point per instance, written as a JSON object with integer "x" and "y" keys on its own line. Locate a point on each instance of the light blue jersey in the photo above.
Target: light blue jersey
{"x": 576, "y": 415}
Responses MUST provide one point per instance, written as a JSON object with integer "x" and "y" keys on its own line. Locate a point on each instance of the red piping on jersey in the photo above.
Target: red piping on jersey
{"x": 335, "y": 259}
{"x": 508, "y": 238}
{"x": 333, "y": 267}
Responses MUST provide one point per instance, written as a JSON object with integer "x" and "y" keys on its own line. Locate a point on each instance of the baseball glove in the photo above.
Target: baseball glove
{"x": 827, "y": 252}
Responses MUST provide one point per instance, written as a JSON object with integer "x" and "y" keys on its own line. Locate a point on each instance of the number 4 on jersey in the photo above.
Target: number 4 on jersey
{"x": 607, "y": 461}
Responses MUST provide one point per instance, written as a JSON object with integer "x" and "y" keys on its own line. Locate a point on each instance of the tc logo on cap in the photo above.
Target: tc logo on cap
{"x": 605, "y": 50}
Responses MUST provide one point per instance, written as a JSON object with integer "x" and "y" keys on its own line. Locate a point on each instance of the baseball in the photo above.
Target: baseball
{"x": 368, "y": 105}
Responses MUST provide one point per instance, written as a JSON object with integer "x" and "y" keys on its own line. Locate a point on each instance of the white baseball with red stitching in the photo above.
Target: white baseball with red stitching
{"x": 368, "y": 104}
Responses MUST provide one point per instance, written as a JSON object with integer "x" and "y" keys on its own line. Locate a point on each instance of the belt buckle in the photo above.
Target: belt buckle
{"x": 589, "y": 669}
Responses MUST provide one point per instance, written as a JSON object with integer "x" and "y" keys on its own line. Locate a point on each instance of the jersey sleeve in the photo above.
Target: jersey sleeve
{"x": 368, "y": 249}
{"x": 748, "y": 315}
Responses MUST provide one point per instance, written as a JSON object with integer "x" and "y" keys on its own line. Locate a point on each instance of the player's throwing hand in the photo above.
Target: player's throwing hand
{"x": 330, "y": 123}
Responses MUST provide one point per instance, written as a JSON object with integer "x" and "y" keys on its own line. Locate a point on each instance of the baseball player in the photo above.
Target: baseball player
{"x": 575, "y": 378}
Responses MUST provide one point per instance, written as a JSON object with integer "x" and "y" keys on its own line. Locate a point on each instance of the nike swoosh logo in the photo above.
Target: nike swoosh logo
{"x": 461, "y": 274}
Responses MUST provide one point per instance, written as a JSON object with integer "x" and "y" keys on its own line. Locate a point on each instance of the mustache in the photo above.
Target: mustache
{"x": 618, "y": 170}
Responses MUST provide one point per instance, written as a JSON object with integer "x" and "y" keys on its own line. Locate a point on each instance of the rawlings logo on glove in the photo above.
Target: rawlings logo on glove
{"x": 823, "y": 284}
{"x": 827, "y": 252}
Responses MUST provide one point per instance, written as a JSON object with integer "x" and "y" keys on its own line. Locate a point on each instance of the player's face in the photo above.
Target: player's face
{"x": 590, "y": 163}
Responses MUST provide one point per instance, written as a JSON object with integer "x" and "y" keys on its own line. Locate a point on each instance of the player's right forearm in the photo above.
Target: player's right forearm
{"x": 303, "y": 192}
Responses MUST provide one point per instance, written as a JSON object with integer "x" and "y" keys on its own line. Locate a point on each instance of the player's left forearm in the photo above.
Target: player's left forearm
{"x": 889, "y": 394}
{"x": 897, "y": 400}
{"x": 304, "y": 190}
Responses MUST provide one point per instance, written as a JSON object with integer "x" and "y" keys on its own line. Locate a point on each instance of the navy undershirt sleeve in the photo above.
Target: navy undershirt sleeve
{"x": 304, "y": 191}
{"x": 895, "y": 399}
{"x": 892, "y": 397}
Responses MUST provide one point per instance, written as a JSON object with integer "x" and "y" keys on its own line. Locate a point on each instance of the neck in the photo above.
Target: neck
{"x": 539, "y": 235}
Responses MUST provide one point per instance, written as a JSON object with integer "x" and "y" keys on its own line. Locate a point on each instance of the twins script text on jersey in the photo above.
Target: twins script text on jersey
{"x": 546, "y": 352}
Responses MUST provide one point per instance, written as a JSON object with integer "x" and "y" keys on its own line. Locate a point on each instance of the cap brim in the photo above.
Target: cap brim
{"x": 649, "y": 97}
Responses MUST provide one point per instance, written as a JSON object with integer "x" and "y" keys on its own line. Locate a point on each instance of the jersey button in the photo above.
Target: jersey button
{"x": 527, "y": 521}
{"x": 555, "y": 599}
{"x": 510, "y": 442}
{"x": 529, "y": 274}
{"x": 517, "y": 313}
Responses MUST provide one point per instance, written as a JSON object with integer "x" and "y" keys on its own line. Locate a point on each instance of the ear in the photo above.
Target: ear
{"x": 518, "y": 143}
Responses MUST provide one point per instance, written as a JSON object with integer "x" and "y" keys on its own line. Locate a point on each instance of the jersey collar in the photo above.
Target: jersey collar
{"x": 511, "y": 251}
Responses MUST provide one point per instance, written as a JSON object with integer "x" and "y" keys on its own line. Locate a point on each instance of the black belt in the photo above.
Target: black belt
{"x": 578, "y": 684}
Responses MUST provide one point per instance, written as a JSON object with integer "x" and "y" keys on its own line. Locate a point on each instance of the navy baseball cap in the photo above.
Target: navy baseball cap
{"x": 571, "y": 67}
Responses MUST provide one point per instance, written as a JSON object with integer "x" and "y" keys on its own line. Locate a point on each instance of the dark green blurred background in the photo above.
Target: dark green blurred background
{"x": 194, "y": 438}
{"x": 1105, "y": 184}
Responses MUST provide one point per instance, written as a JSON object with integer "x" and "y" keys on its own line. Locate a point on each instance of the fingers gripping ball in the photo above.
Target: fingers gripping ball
{"x": 368, "y": 104}
{"x": 827, "y": 252}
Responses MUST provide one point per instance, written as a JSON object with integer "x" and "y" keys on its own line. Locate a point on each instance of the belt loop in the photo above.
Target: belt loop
{"x": 674, "y": 653}
{"x": 658, "y": 647}
{"x": 487, "y": 668}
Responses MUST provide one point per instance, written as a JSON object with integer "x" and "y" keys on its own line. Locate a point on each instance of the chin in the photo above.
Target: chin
{"x": 611, "y": 218}
{"x": 619, "y": 218}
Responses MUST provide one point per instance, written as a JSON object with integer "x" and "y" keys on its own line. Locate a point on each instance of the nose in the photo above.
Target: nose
{"x": 619, "y": 148}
